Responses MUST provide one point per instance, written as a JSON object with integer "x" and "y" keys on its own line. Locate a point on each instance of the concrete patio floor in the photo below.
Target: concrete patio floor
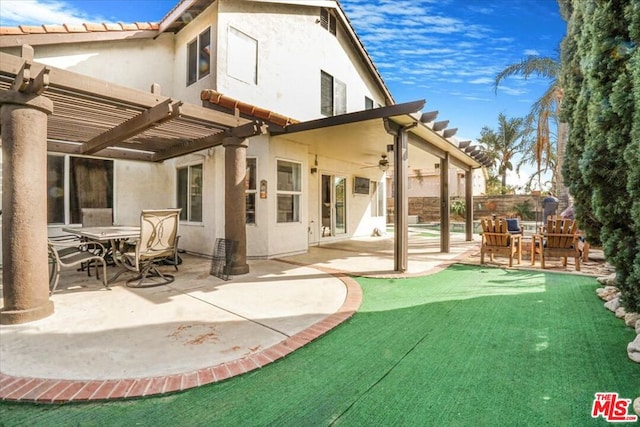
{"x": 126, "y": 342}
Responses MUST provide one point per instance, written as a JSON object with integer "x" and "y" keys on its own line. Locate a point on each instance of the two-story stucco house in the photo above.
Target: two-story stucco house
{"x": 288, "y": 93}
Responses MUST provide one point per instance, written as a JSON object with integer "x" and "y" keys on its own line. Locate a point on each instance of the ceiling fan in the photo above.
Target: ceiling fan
{"x": 383, "y": 163}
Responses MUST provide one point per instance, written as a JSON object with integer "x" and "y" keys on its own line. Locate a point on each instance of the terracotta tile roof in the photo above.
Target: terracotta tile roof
{"x": 229, "y": 103}
{"x": 77, "y": 28}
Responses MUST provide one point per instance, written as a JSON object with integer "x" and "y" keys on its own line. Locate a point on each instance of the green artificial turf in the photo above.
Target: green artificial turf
{"x": 468, "y": 346}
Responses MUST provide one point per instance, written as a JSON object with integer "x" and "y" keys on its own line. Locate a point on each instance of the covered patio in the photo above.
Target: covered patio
{"x": 46, "y": 109}
{"x": 49, "y": 109}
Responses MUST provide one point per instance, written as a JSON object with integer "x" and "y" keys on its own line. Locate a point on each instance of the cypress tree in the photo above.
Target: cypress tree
{"x": 602, "y": 103}
{"x": 574, "y": 49}
{"x": 632, "y": 153}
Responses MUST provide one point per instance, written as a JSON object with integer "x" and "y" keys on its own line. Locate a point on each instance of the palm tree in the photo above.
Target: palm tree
{"x": 543, "y": 110}
{"x": 503, "y": 145}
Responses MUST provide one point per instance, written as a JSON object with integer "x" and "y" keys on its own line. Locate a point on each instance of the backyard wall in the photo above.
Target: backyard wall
{"x": 427, "y": 209}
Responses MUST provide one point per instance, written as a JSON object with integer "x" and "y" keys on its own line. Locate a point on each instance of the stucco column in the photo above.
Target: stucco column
{"x": 235, "y": 164}
{"x": 25, "y": 277}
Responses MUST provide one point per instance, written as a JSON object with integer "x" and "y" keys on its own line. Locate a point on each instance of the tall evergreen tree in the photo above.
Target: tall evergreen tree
{"x": 574, "y": 112}
{"x": 601, "y": 104}
{"x": 632, "y": 152}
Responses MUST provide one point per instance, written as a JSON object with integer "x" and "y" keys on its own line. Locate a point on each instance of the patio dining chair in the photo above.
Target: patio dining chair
{"x": 74, "y": 253}
{"x": 158, "y": 242}
{"x": 96, "y": 217}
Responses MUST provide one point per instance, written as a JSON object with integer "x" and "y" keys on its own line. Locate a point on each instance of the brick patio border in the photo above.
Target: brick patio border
{"x": 20, "y": 389}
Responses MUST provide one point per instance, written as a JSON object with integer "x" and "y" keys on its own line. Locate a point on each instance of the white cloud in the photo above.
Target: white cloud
{"x": 512, "y": 91}
{"x": 531, "y": 52}
{"x": 482, "y": 81}
{"x": 38, "y": 12}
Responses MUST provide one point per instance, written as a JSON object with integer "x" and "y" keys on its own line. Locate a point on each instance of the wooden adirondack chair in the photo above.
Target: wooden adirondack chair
{"x": 496, "y": 239}
{"x": 559, "y": 239}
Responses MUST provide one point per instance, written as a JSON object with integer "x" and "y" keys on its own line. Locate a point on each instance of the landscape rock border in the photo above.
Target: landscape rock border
{"x": 611, "y": 295}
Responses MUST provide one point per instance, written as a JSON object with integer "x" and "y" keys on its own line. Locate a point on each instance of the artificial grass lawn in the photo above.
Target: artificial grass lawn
{"x": 466, "y": 346}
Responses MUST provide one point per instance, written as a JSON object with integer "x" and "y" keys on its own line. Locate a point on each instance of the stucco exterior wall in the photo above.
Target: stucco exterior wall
{"x": 292, "y": 50}
{"x": 286, "y": 238}
{"x": 132, "y": 63}
{"x": 140, "y": 186}
{"x": 258, "y": 233}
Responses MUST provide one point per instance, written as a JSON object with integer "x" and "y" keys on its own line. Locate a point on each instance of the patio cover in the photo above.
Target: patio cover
{"x": 364, "y": 135}
{"x": 99, "y": 118}
{"x": 45, "y": 109}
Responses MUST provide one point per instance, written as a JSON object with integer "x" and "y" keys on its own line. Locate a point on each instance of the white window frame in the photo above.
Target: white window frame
{"x": 249, "y": 190}
{"x": 188, "y": 209}
{"x": 297, "y": 194}
{"x": 338, "y": 90}
{"x": 66, "y": 186}
{"x": 242, "y": 56}
{"x": 202, "y": 53}
{"x": 368, "y": 103}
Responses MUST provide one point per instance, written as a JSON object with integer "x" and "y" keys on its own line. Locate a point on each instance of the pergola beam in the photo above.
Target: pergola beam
{"x": 166, "y": 110}
{"x": 438, "y": 126}
{"x": 448, "y": 133}
{"x": 95, "y": 88}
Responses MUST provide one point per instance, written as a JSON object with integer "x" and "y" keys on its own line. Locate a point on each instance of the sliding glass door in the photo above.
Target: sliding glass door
{"x": 333, "y": 205}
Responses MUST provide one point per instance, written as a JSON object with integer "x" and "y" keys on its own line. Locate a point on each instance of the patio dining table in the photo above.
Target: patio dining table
{"x": 114, "y": 235}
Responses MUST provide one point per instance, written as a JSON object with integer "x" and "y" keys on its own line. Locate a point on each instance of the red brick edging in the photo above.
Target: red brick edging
{"x": 60, "y": 391}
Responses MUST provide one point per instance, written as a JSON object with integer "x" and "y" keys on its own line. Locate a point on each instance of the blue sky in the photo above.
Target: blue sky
{"x": 445, "y": 51}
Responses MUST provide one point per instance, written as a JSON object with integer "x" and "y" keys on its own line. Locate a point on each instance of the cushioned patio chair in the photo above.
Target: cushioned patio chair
{"x": 158, "y": 242}
{"x": 496, "y": 239}
{"x": 559, "y": 239}
{"x": 73, "y": 253}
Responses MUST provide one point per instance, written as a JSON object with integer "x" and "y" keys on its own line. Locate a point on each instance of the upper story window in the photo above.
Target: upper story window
{"x": 328, "y": 20}
{"x": 74, "y": 183}
{"x": 289, "y": 189}
{"x": 368, "y": 103}
{"x": 251, "y": 188}
{"x": 189, "y": 193}
{"x": 199, "y": 57}
{"x": 333, "y": 95}
{"x": 242, "y": 56}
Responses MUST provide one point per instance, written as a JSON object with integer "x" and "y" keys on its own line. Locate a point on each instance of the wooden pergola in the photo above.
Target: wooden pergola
{"x": 44, "y": 108}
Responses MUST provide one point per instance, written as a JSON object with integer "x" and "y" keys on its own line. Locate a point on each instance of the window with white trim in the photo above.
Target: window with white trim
{"x": 333, "y": 95}
{"x": 368, "y": 103}
{"x": 289, "y": 191}
{"x": 251, "y": 189}
{"x": 242, "y": 56}
{"x": 189, "y": 192}
{"x": 74, "y": 183}
{"x": 199, "y": 57}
